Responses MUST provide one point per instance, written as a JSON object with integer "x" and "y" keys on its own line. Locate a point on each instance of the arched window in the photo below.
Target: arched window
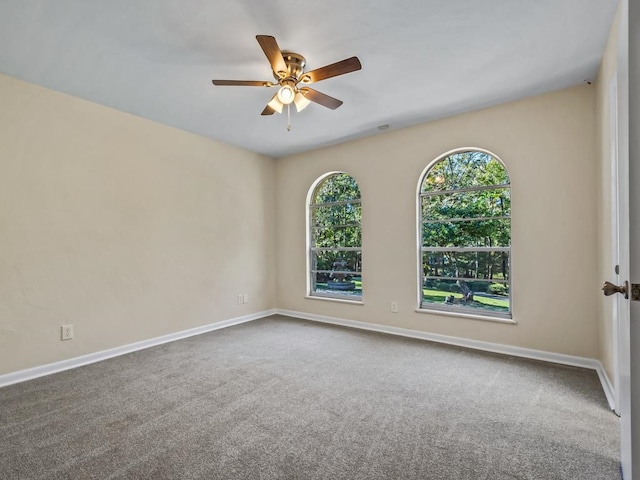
{"x": 465, "y": 241}
{"x": 334, "y": 238}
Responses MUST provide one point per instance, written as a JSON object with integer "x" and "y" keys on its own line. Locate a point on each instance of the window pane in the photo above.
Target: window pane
{"x": 472, "y": 265}
{"x": 337, "y": 262}
{"x": 337, "y": 272}
{"x": 475, "y": 233}
{"x": 331, "y": 215}
{"x": 336, "y": 237}
{"x": 482, "y": 203}
{"x": 463, "y": 170}
{"x": 479, "y": 296}
{"x": 337, "y": 188}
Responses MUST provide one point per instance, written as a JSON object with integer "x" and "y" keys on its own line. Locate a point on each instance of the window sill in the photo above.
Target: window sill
{"x": 486, "y": 318}
{"x": 333, "y": 299}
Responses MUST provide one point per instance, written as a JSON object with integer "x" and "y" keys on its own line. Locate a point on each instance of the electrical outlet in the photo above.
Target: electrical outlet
{"x": 394, "y": 307}
{"x": 245, "y": 298}
{"x": 66, "y": 332}
{"x": 240, "y": 299}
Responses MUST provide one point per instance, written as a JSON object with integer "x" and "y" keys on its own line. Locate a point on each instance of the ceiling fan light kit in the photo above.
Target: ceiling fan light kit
{"x": 301, "y": 101}
{"x": 275, "y": 104}
{"x": 288, "y": 70}
{"x": 286, "y": 94}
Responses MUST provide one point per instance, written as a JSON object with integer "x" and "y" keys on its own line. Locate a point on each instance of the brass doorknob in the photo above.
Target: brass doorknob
{"x": 609, "y": 289}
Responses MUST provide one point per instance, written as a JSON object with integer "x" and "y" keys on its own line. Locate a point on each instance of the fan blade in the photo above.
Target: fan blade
{"x": 321, "y": 98}
{"x": 347, "y": 65}
{"x": 242, "y": 83}
{"x": 273, "y": 53}
{"x": 268, "y": 111}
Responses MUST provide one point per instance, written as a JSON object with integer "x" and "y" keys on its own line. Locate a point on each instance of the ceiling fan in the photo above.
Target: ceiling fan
{"x": 288, "y": 70}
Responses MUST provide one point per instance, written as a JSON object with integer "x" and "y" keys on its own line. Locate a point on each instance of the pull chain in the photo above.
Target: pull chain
{"x": 288, "y": 117}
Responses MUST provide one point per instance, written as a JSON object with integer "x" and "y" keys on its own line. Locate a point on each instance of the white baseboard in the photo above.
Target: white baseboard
{"x": 40, "y": 371}
{"x": 542, "y": 355}
{"x": 607, "y": 386}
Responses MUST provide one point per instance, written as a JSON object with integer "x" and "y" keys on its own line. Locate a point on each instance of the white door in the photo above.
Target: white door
{"x": 619, "y": 304}
{"x": 617, "y": 300}
{"x": 631, "y": 55}
{"x": 628, "y": 72}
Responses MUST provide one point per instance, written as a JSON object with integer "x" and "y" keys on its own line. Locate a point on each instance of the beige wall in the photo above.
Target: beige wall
{"x": 129, "y": 229}
{"x": 606, "y": 263}
{"x": 123, "y": 227}
{"x": 549, "y": 147}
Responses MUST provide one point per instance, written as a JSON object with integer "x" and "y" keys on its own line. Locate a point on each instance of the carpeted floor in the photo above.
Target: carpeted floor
{"x": 289, "y": 399}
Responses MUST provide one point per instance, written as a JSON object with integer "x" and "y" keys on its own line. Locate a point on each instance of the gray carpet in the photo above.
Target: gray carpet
{"x": 288, "y": 399}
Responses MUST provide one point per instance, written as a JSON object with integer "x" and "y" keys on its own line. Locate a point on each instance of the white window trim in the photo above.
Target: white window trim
{"x": 433, "y": 311}
{"x": 334, "y": 299}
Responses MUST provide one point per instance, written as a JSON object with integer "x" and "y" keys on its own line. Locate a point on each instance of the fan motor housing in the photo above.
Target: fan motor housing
{"x": 295, "y": 64}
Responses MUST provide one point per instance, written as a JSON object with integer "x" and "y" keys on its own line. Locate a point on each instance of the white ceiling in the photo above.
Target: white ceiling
{"x": 421, "y": 59}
